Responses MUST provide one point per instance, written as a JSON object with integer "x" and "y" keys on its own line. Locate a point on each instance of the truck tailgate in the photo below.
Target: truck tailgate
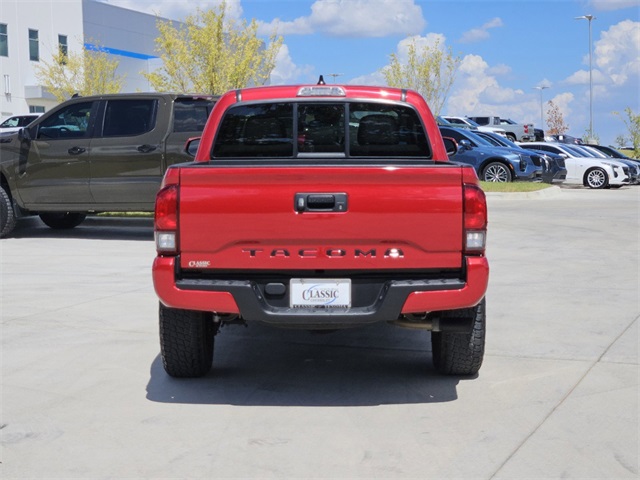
{"x": 247, "y": 218}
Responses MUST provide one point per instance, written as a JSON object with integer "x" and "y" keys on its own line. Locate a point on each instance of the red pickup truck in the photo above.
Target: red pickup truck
{"x": 321, "y": 207}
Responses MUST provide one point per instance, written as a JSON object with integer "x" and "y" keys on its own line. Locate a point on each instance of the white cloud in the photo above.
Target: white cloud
{"x": 616, "y": 59}
{"x": 376, "y": 78}
{"x": 617, "y": 53}
{"x": 299, "y": 26}
{"x": 614, "y": 4}
{"x": 477, "y": 91}
{"x": 176, "y": 9}
{"x": 499, "y": 95}
{"x": 563, "y": 101}
{"x": 471, "y": 82}
{"x": 429, "y": 40}
{"x": 402, "y": 51}
{"x": 581, "y": 77}
{"x": 500, "y": 69}
{"x": 545, "y": 82}
{"x": 355, "y": 18}
{"x": 481, "y": 33}
{"x": 286, "y": 71}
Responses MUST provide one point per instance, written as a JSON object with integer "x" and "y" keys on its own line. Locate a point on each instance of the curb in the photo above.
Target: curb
{"x": 544, "y": 193}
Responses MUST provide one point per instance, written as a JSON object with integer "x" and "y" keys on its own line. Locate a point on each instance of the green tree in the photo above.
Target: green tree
{"x": 555, "y": 120}
{"x": 621, "y": 141}
{"x": 430, "y": 70}
{"x": 212, "y": 53}
{"x": 632, "y": 122}
{"x": 89, "y": 72}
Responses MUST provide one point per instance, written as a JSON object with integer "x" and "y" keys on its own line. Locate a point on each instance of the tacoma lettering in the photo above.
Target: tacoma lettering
{"x": 328, "y": 253}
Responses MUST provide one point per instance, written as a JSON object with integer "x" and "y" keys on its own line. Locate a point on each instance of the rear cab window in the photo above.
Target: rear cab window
{"x": 330, "y": 130}
{"x": 191, "y": 114}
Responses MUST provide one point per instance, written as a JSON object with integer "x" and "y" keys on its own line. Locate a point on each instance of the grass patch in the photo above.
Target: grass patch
{"x": 513, "y": 186}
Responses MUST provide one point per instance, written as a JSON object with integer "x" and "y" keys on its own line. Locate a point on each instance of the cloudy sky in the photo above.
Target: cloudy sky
{"x": 507, "y": 48}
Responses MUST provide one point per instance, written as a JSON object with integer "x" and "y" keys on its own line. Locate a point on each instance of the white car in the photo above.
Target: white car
{"x": 471, "y": 124}
{"x": 16, "y": 122}
{"x": 591, "y": 172}
{"x": 634, "y": 167}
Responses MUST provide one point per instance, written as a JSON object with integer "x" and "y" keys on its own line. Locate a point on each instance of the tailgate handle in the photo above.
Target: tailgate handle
{"x": 321, "y": 202}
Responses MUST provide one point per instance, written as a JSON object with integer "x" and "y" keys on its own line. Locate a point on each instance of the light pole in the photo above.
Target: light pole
{"x": 541, "y": 88}
{"x": 589, "y": 18}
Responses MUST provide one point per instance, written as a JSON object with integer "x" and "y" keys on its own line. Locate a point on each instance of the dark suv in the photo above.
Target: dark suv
{"x": 493, "y": 164}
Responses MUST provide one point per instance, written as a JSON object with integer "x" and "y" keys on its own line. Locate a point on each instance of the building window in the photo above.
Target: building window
{"x": 36, "y": 109}
{"x": 4, "y": 40}
{"x": 63, "y": 48}
{"x": 34, "y": 46}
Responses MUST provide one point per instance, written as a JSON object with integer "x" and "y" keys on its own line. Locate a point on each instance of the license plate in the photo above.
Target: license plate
{"x": 321, "y": 293}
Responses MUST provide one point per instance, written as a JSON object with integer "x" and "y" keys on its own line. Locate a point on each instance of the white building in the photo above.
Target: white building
{"x": 32, "y": 30}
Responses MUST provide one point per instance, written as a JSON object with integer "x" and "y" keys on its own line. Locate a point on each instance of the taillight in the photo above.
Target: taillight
{"x": 526, "y": 129}
{"x": 166, "y": 220}
{"x": 475, "y": 219}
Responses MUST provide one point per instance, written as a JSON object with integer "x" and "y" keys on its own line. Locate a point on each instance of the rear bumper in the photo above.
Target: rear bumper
{"x": 396, "y": 297}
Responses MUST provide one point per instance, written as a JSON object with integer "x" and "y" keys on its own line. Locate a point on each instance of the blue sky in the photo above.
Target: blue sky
{"x": 507, "y": 47}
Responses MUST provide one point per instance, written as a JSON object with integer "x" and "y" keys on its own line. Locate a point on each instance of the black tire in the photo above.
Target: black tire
{"x": 7, "y": 214}
{"x": 512, "y": 137}
{"x": 62, "y": 220}
{"x": 496, "y": 172}
{"x": 596, "y": 178}
{"x": 461, "y": 353}
{"x": 186, "y": 342}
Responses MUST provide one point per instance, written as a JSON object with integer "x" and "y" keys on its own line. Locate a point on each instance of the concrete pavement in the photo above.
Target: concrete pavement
{"x": 84, "y": 394}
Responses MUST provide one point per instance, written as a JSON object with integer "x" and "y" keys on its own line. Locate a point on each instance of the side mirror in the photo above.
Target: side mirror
{"x": 450, "y": 145}
{"x": 191, "y": 146}
{"x": 465, "y": 144}
{"x": 24, "y": 134}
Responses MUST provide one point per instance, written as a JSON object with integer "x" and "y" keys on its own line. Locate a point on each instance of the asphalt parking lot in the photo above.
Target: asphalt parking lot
{"x": 84, "y": 394}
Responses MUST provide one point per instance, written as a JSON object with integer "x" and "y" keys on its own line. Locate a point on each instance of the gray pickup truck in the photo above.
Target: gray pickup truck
{"x": 96, "y": 154}
{"x": 516, "y": 132}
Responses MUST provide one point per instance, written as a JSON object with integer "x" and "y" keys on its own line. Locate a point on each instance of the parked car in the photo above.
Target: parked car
{"x": 564, "y": 139}
{"x": 614, "y": 153}
{"x": 492, "y": 164}
{"x": 15, "y": 123}
{"x": 588, "y": 171}
{"x": 467, "y": 122}
{"x": 443, "y": 122}
{"x": 634, "y": 167}
{"x": 553, "y": 169}
{"x": 515, "y": 131}
{"x": 538, "y": 135}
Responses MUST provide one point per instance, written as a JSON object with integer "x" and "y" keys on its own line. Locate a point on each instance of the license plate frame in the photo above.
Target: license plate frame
{"x": 320, "y": 293}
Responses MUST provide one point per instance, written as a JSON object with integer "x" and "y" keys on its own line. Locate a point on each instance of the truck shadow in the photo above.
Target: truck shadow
{"x": 262, "y": 366}
{"x": 93, "y": 228}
